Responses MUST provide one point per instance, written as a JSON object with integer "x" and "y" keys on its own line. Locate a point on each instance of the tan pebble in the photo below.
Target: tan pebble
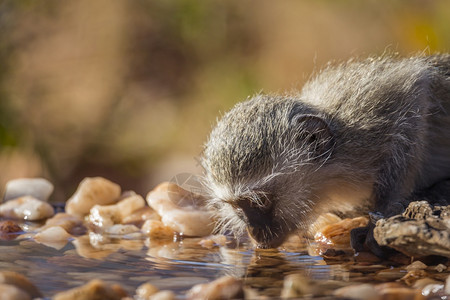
{"x": 104, "y": 216}
{"x": 144, "y": 291}
{"x": 92, "y": 191}
{"x": 359, "y": 291}
{"x": 94, "y": 289}
{"x": 412, "y": 276}
{"x": 39, "y": 188}
{"x": 120, "y": 229}
{"x": 390, "y": 274}
{"x": 163, "y": 295}
{"x": 11, "y": 292}
{"x": 21, "y": 282}
{"x": 323, "y": 221}
{"x": 297, "y": 285}
{"x": 157, "y": 230}
{"x": 70, "y": 223}
{"x": 129, "y": 205}
{"x": 26, "y": 208}
{"x": 138, "y": 217}
{"x": 185, "y": 212}
{"x": 339, "y": 233}
{"x": 417, "y": 265}
{"x": 440, "y": 268}
{"x": 55, "y": 237}
{"x": 223, "y": 288}
{"x": 9, "y": 230}
{"x": 207, "y": 243}
{"x": 431, "y": 289}
{"x": 401, "y": 293}
{"x": 421, "y": 283}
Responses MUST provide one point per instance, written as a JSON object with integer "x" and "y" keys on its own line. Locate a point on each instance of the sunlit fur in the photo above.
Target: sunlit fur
{"x": 388, "y": 131}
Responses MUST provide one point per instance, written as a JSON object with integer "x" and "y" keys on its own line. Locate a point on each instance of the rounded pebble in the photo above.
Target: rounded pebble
{"x": 39, "y": 188}
{"x": 9, "y": 230}
{"x": 11, "y": 292}
{"x": 92, "y": 191}
{"x": 26, "y": 208}
{"x": 21, "y": 282}
{"x": 94, "y": 289}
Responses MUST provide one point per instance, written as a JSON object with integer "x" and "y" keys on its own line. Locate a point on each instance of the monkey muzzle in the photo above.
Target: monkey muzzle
{"x": 262, "y": 228}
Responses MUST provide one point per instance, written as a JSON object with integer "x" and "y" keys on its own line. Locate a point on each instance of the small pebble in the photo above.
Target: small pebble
{"x": 55, "y": 237}
{"x": 26, "y": 208}
{"x": 38, "y": 188}
{"x": 138, "y": 217}
{"x": 359, "y": 291}
{"x": 145, "y": 290}
{"x": 440, "y": 268}
{"x": 157, "y": 230}
{"x": 163, "y": 295}
{"x": 181, "y": 210}
{"x": 92, "y": 191}
{"x": 120, "y": 229}
{"x": 417, "y": 265}
{"x": 72, "y": 224}
{"x": 223, "y": 288}
{"x": 104, "y": 216}
{"x": 11, "y": 292}
{"x": 21, "y": 282}
{"x": 94, "y": 289}
{"x": 338, "y": 234}
{"x": 9, "y": 230}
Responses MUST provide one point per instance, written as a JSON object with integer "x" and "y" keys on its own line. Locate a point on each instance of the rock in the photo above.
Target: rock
{"x": 435, "y": 289}
{"x": 9, "y": 230}
{"x": 20, "y": 282}
{"x": 297, "y": 285}
{"x": 420, "y": 231}
{"x": 72, "y": 224}
{"x": 417, "y": 265}
{"x": 94, "y": 289}
{"x": 104, "y": 216}
{"x": 338, "y": 234}
{"x": 145, "y": 290}
{"x": 440, "y": 268}
{"x": 92, "y": 191}
{"x": 323, "y": 221}
{"x": 11, "y": 292}
{"x": 38, "y": 188}
{"x": 181, "y": 210}
{"x": 223, "y": 288}
{"x": 55, "y": 237}
{"x": 163, "y": 295}
{"x": 359, "y": 291}
{"x": 138, "y": 217}
{"x": 120, "y": 229}
{"x": 26, "y": 208}
{"x": 157, "y": 230}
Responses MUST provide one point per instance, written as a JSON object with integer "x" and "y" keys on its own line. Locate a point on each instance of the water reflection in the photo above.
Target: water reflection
{"x": 171, "y": 264}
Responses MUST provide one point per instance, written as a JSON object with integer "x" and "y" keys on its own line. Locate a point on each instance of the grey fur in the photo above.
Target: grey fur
{"x": 380, "y": 123}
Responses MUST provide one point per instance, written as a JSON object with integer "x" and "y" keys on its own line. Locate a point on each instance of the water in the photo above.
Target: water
{"x": 175, "y": 265}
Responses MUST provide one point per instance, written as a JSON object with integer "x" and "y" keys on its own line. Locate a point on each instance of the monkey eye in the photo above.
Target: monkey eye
{"x": 256, "y": 202}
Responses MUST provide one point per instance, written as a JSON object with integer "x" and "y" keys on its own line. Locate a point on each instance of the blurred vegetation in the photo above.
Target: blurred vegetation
{"x": 130, "y": 89}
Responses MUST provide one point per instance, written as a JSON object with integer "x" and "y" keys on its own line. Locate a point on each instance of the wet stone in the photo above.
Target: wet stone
{"x": 9, "y": 230}
{"x": 94, "y": 289}
{"x": 422, "y": 230}
{"x": 223, "y": 288}
{"x": 181, "y": 210}
{"x": 26, "y": 208}
{"x": 92, "y": 191}
{"x": 21, "y": 282}
{"x": 38, "y": 188}
{"x": 11, "y": 292}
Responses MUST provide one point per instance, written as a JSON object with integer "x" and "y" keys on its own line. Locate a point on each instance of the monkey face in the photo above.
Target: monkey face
{"x": 259, "y": 164}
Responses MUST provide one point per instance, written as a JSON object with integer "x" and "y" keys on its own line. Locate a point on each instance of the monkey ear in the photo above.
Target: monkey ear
{"x": 314, "y": 132}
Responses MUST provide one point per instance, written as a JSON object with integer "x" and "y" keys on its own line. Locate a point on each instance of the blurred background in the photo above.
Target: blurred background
{"x": 129, "y": 90}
